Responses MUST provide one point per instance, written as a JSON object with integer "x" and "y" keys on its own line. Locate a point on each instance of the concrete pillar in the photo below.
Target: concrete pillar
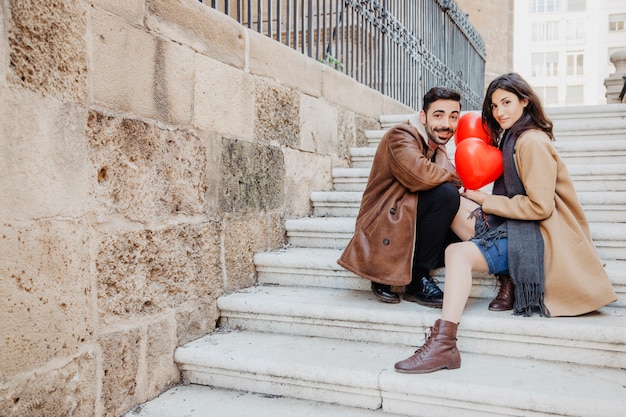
{"x": 615, "y": 82}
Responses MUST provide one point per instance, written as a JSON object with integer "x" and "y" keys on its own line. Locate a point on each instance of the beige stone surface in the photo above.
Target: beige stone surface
{"x": 339, "y": 89}
{"x": 195, "y": 320}
{"x": 299, "y": 182}
{"x": 494, "y": 23}
{"x": 146, "y": 272}
{"x": 161, "y": 371}
{"x": 139, "y": 74}
{"x": 212, "y": 142}
{"x": 66, "y": 389}
{"x": 243, "y": 237}
{"x": 143, "y": 172}
{"x": 318, "y": 130}
{"x": 133, "y": 11}
{"x": 223, "y": 99}
{"x": 288, "y": 67}
{"x": 121, "y": 359}
{"x": 4, "y": 46}
{"x": 206, "y": 30}
{"x": 253, "y": 177}
{"x": 277, "y": 114}
{"x": 47, "y": 47}
{"x": 44, "y": 165}
{"x": 47, "y": 307}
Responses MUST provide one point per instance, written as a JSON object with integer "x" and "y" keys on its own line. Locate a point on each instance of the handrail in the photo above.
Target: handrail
{"x": 400, "y": 48}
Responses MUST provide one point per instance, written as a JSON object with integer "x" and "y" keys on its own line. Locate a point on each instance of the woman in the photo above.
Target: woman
{"x": 532, "y": 228}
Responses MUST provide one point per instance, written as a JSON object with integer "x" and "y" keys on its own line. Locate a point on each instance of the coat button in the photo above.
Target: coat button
{"x": 385, "y": 242}
{"x": 392, "y": 210}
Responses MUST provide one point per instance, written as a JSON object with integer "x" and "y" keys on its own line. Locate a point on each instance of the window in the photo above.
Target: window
{"x": 546, "y": 6}
{"x": 575, "y": 62}
{"x": 616, "y": 22}
{"x": 545, "y": 31}
{"x": 549, "y": 95}
{"x": 545, "y": 64}
{"x": 576, "y": 30}
{"x": 574, "y": 94}
{"x": 575, "y": 5}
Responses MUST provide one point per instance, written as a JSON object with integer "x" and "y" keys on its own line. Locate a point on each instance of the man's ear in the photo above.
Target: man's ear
{"x": 422, "y": 117}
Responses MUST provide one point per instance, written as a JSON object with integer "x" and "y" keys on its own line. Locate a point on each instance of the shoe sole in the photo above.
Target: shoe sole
{"x": 500, "y": 309}
{"x": 387, "y": 300}
{"x": 412, "y": 299}
{"x": 428, "y": 371}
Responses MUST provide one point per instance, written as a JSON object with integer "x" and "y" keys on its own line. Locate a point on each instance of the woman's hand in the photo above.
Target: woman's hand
{"x": 477, "y": 196}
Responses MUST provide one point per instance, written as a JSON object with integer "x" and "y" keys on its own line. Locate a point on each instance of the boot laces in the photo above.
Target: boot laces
{"x": 428, "y": 340}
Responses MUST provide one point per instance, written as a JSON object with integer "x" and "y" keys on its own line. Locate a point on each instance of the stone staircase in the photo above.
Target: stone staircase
{"x": 311, "y": 334}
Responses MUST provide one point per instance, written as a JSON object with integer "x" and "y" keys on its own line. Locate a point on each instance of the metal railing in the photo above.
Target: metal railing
{"x": 398, "y": 47}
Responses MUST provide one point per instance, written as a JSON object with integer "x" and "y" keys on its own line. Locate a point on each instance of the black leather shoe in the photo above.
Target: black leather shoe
{"x": 424, "y": 291}
{"x": 384, "y": 294}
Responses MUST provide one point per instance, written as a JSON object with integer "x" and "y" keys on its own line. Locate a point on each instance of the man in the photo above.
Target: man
{"x": 408, "y": 205}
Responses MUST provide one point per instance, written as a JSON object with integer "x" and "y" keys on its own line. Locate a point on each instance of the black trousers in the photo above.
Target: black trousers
{"x": 436, "y": 209}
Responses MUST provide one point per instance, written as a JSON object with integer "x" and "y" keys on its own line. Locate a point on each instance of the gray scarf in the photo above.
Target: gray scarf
{"x": 526, "y": 250}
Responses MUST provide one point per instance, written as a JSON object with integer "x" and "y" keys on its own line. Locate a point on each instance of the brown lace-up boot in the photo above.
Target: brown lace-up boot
{"x": 506, "y": 295}
{"x": 437, "y": 353}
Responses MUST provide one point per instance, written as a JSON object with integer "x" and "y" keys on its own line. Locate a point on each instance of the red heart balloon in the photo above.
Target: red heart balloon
{"x": 477, "y": 163}
{"x": 471, "y": 126}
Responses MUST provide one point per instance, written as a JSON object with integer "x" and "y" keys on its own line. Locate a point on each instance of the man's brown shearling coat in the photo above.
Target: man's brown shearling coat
{"x": 381, "y": 249}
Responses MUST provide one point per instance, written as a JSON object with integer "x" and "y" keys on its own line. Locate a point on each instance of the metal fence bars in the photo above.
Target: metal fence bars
{"x": 398, "y": 47}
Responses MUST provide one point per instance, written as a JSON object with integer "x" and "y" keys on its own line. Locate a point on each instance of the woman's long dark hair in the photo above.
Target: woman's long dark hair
{"x": 533, "y": 117}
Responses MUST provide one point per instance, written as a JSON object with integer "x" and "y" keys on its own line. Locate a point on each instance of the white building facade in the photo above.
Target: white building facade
{"x": 563, "y": 47}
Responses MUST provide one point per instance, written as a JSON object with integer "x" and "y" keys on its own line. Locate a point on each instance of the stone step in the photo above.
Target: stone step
{"x": 193, "y": 400}
{"x": 589, "y": 177}
{"x": 597, "y": 339}
{"x": 317, "y": 267}
{"x": 599, "y": 206}
{"x": 360, "y": 374}
{"x": 335, "y": 232}
{"x": 579, "y": 152}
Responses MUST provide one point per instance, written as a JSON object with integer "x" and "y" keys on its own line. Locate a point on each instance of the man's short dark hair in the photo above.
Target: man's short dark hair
{"x": 440, "y": 93}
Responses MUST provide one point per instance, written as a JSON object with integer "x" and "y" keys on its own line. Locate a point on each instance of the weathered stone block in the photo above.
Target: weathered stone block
{"x": 65, "y": 391}
{"x": 133, "y": 11}
{"x": 144, "y": 172}
{"x": 121, "y": 356}
{"x": 46, "y": 310}
{"x": 195, "y": 320}
{"x": 148, "y": 77}
{"x": 253, "y": 177}
{"x": 345, "y": 91}
{"x": 299, "y": 183}
{"x": 287, "y": 66}
{"x": 277, "y": 115}
{"x": 149, "y": 271}
{"x": 223, "y": 99}
{"x": 47, "y": 45}
{"x": 43, "y": 157}
{"x": 318, "y": 121}
{"x": 205, "y": 29}
{"x": 243, "y": 237}
{"x": 161, "y": 369}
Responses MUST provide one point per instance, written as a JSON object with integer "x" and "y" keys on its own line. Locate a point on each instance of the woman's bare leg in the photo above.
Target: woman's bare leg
{"x": 460, "y": 259}
{"x": 462, "y": 224}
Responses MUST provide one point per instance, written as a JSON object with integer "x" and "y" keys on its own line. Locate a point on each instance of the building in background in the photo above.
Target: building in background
{"x": 562, "y": 47}
{"x": 493, "y": 20}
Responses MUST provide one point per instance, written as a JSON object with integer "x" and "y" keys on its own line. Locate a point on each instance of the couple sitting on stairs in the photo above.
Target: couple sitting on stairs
{"x": 531, "y": 232}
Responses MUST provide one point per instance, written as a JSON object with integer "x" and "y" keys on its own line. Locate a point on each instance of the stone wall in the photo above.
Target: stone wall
{"x": 148, "y": 148}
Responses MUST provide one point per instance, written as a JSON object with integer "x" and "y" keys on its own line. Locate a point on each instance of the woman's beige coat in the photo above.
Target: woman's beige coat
{"x": 576, "y": 282}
